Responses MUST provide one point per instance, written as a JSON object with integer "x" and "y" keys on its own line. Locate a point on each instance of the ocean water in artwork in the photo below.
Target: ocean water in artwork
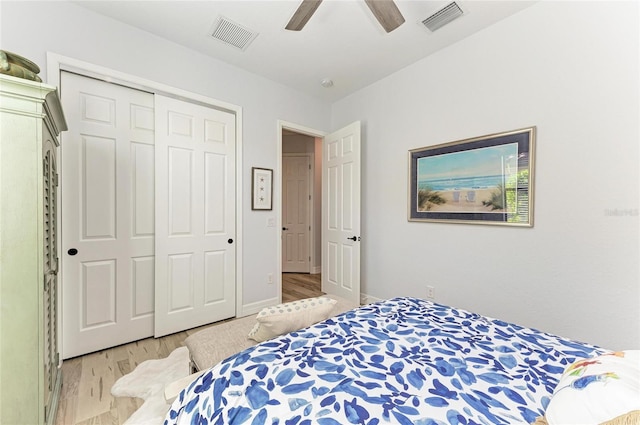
{"x": 475, "y": 182}
{"x": 472, "y": 169}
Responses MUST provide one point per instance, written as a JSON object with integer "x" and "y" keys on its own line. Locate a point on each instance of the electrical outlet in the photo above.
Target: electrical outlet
{"x": 270, "y": 278}
{"x": 431, "y": 292}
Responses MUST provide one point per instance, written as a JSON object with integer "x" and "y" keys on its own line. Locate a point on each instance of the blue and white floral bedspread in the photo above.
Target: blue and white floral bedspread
{"x": 401, "y": 361}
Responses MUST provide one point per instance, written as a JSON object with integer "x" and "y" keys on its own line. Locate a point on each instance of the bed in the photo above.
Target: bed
{"x": 400, "y": 361}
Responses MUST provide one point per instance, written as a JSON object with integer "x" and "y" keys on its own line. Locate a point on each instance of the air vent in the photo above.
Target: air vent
{"x": 232, "y": 34}
{"x": 443, "y": 17}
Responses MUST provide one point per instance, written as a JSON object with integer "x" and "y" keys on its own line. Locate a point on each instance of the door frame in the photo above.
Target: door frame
{"x": 307, "y": 131}
{"x": 57, "y": 63}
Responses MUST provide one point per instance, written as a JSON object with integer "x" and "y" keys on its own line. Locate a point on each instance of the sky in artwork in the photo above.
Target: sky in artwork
{"x": 477, "y": 162}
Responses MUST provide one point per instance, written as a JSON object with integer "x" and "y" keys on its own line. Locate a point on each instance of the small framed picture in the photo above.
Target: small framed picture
{"x": 261, "y": 189}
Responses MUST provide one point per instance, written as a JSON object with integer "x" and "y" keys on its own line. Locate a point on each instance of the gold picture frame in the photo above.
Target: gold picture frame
{"x": 480, "y": 180}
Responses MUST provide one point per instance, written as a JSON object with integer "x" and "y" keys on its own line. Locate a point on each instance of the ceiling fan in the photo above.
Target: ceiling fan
{"x": 385, "y": 11}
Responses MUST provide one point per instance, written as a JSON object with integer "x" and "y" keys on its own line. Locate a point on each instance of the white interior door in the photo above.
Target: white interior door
{"x": 296, "y": 213}
{"x": 195, "y": 215}
{"x": 341, "y": 213}
{"x": 107, "y": 215}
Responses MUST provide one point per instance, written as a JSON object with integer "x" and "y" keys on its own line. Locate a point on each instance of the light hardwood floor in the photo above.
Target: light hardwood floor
{"x": 87, "y": 380}
{"x": 297, "y": 286}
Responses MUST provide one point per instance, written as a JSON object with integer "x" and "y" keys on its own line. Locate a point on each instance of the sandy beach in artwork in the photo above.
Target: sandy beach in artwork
{"x": 464, "y": 200}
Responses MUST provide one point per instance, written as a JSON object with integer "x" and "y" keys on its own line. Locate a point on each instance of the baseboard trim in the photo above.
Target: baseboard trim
{"x": 252, "y": 308}
{"x": 368, "y": 299}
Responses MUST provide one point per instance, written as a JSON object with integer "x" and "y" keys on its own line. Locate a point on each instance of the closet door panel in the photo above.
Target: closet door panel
{"x": 180, "y": 191}
{"x": 98, "y": 191}
{"x": 215, "y": 190}
{"x": 215, "y": 262}
{"x": 142, "y": 187}
{"x": 142, "y": 279}
{"x": 98, "y": 294}
{"x": 108, "y": 206}
{"x": 195, "y": 215}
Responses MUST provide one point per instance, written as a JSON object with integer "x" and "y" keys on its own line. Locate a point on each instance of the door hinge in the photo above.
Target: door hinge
{"x": 309, "y": 197}
{"x": 309, "y": 166}
{"x": 55, "y": 179}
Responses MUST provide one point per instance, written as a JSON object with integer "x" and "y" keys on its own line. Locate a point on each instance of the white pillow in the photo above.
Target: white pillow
{"x": 284, "y": 318}
{"x": 598, "y": 389}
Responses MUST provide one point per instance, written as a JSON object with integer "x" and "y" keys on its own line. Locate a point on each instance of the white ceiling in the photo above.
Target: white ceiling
{"x": 342, "y": 41}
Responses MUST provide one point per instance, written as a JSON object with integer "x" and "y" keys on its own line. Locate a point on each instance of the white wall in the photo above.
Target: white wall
{"x": 572, "y": 70}
{"x": 33, "y": 28}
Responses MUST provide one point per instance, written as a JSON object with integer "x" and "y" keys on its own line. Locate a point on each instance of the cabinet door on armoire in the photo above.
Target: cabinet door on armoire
{"x": 31, "y": 119}
{"x": 51, "y": 265}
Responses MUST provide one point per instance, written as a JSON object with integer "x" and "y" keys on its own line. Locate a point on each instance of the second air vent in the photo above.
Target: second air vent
{"x": 443, "y": 16}
{"x": 232, "y": 34}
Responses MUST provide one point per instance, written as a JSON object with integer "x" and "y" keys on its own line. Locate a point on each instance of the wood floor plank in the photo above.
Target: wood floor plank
{"x": 106, "y": 418}
{"x": 71, "y": 373}
{"x": 145, "y": 349}
{"x": 119, "y": 353}
{"x": 67, "y": 411}
{"x": 297, "y": 286}
{"x": 86, "y": 392}
{"x": 94, "y": 389}
{"x": 171, "y": 342}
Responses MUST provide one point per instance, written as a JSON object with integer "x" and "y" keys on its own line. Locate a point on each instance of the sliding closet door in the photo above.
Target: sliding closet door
{"x": 195, "y": 215}
{"x": 107, "y": 215}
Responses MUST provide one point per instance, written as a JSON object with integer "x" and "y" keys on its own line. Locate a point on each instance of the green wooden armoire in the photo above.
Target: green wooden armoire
{"x": 31, "y": 120}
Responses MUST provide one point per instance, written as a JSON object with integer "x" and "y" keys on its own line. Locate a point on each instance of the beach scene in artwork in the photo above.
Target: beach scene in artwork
{"x": 477, "y": 180}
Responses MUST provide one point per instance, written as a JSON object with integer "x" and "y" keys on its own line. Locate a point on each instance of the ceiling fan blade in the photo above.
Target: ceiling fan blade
{"x": 305, "y": 11}
{"x": 387, "y": 13}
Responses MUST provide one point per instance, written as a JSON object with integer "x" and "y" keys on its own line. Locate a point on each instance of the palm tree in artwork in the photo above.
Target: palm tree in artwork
{"x": 427, "y": 198}
{"x": 496, "y": 202}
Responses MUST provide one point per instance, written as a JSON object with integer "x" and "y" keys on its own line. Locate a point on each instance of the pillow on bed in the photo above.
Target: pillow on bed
{"x": 597, "y": 390}
{"x": 283, "y": 318}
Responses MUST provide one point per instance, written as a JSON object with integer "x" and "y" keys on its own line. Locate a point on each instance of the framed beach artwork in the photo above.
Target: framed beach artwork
{"x": 261, "y": 189}
{"x": 482, "y": 180}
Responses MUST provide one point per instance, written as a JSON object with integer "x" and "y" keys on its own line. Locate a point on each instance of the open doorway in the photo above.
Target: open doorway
{"x": 301, "y": 213}
{"x": 336, "y": 238}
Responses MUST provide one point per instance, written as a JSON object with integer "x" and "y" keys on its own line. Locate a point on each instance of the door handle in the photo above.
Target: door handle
{"x": 354, "y": 238}
{"x": 285, "y": 228}
{"x": 72, "y": 251}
